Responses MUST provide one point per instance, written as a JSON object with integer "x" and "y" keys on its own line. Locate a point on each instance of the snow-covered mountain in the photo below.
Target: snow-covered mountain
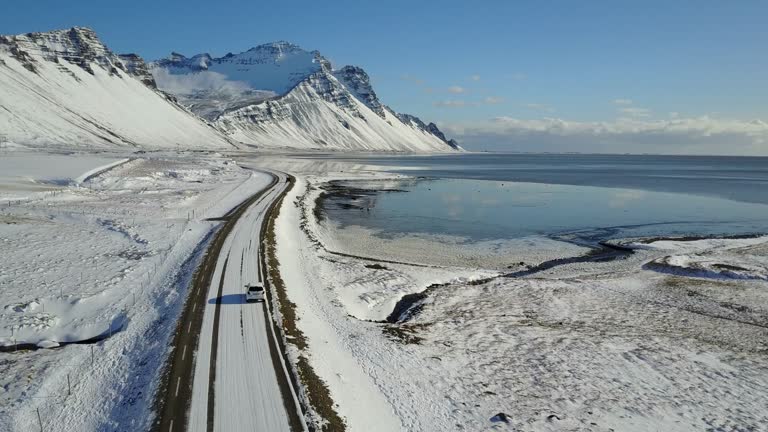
{"x": 279, "y": 95}
{"x": 67, "y": 89}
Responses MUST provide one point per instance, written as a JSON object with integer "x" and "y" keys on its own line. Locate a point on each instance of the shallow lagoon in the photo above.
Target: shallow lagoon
{"x": 481, "y": 210}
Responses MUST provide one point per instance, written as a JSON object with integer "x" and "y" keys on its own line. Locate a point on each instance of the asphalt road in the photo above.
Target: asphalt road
{"x": 225, "y": 373}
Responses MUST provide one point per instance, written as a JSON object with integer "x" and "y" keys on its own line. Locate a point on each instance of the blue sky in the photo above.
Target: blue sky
{"x": 465, "y": 64}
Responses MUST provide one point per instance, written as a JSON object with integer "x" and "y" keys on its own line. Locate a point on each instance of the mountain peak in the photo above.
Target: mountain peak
{"x": 275, "y": 51}
{"x": 81, "y": 30}
{"x": 59, "y": 41}
{"x": 258, "y": 87}
{"x": 359, "y": 83}
{"x": 278, "y": 45}
{"x": 274, "y": 67}
{"x": 77, "y": 45}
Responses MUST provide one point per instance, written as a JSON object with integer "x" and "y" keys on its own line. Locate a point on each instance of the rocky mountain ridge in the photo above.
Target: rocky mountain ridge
{"x": 79, "y": 46}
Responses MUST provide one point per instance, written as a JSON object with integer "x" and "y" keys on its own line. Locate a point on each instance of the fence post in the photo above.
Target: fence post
{"x": 40, "y": 419}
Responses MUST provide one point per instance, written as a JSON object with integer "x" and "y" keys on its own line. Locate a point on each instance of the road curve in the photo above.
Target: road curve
{"x": 225, "y": 372}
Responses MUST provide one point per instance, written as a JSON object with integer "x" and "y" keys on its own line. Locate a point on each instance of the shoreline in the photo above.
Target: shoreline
{"x": 404, "y": 331}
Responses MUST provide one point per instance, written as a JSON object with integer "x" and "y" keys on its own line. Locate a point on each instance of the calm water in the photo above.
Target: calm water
{"x": 613, "y": 196}
{"x": 737, "y": 178}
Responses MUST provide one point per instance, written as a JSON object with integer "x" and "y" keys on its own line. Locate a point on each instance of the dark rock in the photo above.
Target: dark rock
{"x": 501, "y": 418}
{"x": 358, "y": 82}
{"x": 137, "y": 67}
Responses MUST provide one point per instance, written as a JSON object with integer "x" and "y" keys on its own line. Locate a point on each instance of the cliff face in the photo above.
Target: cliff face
{"x": 79, "y": 46}
{"x": 137, "y": 67}
{"x": 431, "y": 128}
{"x": 357, "y": 82}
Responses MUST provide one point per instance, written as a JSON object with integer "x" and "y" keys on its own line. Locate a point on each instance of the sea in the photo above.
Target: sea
{"x": 502, "y": 196}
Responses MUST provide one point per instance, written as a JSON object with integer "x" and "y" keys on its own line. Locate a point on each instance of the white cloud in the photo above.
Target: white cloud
{"x": 539, "y": 107}
{"x": 517, "y": 76}
{"x": 700, "y": 135}
{"x": 635, "y": 111}
{"x": 410, "y": 78}
{"x": 186, "y": 84}
{"x": 458, "y": 103}
{"x": 626, "y": 107}
{"x": 475, "y": 77}
{"x": 456, "y": 89}
{"x": 451, "y": 104}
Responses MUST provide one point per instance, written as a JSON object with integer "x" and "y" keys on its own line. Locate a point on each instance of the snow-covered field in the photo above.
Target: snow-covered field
{"x": 23, "y": 174}
{"x": 104, "y": 249}
{"x": 673, "y": 338}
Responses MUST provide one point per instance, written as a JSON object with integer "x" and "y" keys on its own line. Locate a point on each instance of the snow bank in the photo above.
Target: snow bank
{"x": 98, "y": 170}
{"x": 714, "y": 258}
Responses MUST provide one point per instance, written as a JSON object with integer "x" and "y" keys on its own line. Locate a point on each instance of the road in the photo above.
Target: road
{"x": 226, "y": 373}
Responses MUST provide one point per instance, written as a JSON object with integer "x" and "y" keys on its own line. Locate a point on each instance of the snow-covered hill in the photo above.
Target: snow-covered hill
{"x": 279, "y": 95}
{"x": 67, "y": 89}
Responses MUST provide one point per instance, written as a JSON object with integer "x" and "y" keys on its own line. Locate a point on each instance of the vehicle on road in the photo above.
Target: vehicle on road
{"x": 254, "y": 292}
